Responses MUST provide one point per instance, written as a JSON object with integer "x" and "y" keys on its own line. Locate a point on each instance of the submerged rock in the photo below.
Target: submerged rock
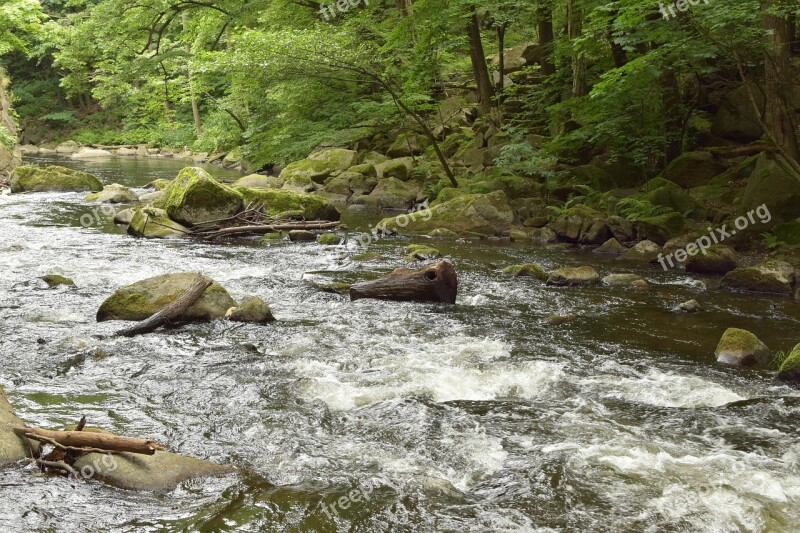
{"x": 153, "y": 223}
{"x": 52, "y": 179}
{"x": 13, "y": 448}
{"x": 769, "y": 277}
{"x": 194, "y": 196}
{"x": 142, "y": 299}
{"x": 789, "y": 371}
{"x": 252, "y": 309}
{"x": 113, "y": 194}
{"x": 690, "y": 306}
{"x": 739, "y": 347}
{"x": 54, "y": 280}
{"x": 584, "y": 275}
{"x": 526, "y": 270}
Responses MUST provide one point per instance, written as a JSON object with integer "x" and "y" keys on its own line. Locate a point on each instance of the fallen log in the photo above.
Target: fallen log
{"x": 88, "y": 441}
{"x": 172, "y": 311}
{"x": 436, "y": 282}
{"x": 269, "y": 228}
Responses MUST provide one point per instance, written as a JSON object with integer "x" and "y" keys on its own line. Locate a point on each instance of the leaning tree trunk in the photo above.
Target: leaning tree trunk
{"x": 436, "y": 282}
{"x": 479, "y": 67}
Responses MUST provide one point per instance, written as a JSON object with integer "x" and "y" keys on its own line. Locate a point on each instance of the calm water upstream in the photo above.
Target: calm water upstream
{"x": 478, "y": 417}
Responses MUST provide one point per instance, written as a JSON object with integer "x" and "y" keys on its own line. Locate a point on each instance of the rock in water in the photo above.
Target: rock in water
{"x": 145, "y": 298}
{"x": 643, "y": 251}
{"x": 91, "y": 153}
{"x": 691, "y": 306}
{"x": 288, "y": 204}
{"x": 716, "y": 260}
{"x": 153, "y": 223}
{"x": 13, "y": 448}
{"x": 113, "y": 194}
{"x": 582, "y": 225}
{"x": 739, "y": 347}
{"x": 54, "y": 280}
{"x": 769, "y": 277}
{"x": 194, "y": 197}
{"x": 584, "y": 275}
{"x": 622, "y": 280}
{"x": 52, "y": 179}
{"x": 527, "y": 270}
{"x": 252, "y": 309}
{"x": 611, "y": 247}
{"x": 789, "y": 372}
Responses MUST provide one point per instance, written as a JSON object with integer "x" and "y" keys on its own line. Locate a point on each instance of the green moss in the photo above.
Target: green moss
{"x": 194, "y": 197}
{"x": 158, "y": 185}
{"x": 367, "y": 169}
{"x": 279, "y": 202}
{"x": 395, "y": 169}
{"x": 661, "y": 228}
{"x": 421, "y": 252}
{"x": 788, "y": 233}
{"x": 792, "y": 361}
{"x": 329, "y": 239}
{"x": 153, "y": 223}
{"x": 447, "y": 194}
{"x": 528, "y": 269}
{"x": 336, "y": 287}
{"x": 676, "y": 199}
{"x": 54, "y": 280}
{"x": 52, "y": 178}
{"x": 657, "y": 183}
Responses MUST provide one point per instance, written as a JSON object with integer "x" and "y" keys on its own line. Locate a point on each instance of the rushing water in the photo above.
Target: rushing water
{"x": 469, "y": 418}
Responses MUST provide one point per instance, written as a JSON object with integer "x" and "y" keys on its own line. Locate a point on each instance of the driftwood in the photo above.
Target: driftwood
{"x": 88, "y": 441}
{"x": 172, "y": 311}
{"x": 269, "y": 228}
{"x": 436, "y": 282}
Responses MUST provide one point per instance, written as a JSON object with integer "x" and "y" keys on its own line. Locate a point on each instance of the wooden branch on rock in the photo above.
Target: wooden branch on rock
{"x": 436, "y": 282}
{"x": 172, "y": 311}
{"x": 86, "y": 441}
{"x": 270, "y": 228}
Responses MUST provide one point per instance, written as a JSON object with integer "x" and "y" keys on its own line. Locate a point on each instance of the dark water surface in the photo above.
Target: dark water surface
{"x": 472, "y": 418}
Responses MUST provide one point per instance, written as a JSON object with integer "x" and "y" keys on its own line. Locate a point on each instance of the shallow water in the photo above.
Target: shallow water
{"x": 475, "y": 417}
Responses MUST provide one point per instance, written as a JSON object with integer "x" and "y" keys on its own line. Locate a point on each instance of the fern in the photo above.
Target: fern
{"x": 636, "y": 209}
{"x": 771, "y": 240}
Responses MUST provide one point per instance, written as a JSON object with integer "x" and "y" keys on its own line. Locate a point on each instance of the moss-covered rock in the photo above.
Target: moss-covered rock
{"x": 693, "y": 168}
{"x": 302, "y": 235}
{"x": 408, "y": 144}
{"x": 194, "y": 197}
{"x": 643, "y": 251}
{"x": 335, "y": 287}
{"x": 611, "y": 247}
{"x": 329, "y": 239}
{"x": 13, "y": 448}
{"x": 775, "y": 184}
{"x": 657, "y": 183}
{"x": 279, "y": 202}
{"x": 526, "y": 270}
{"x": 113, "y": 194}
{"x": 572, "y": 181}
{"x": 660, "y": 228}
{"x": 52, "y": 179}
{"x": 160, "y": 473}
{"x": 788, "y": 233}
{"x": 153, "y": 223}
{"x": 367, "y": 169}
{"x": 399, "y": 168}
{"x": 769, "y": 277}
{"x": 142, "y": 299}
{"x": 124, "y": 216}
{"x": 421, "y": 252}
{"x": 258, "y": 181}
{"x": 621, "y": 228}
{"x": 253, "y": 310}
{"x": 584, "y": 275}
{"x": 739, "y": 347}
{"x": 518, "y": 186}
{"x": 621, "y": 280}
{"x": 317, "y": 166}
{"x": 395, "y": 194}
{"x": 718, "y": 259}
{"x": 341, "y": 184}
{"x": 443, "y": 233}
{"x": 676, "y": 199}
{"x": 582, "y": 225}
{"x": 789, "y": 371}
{"x": 486, "y": 214}
{"x": 55, "y": 280}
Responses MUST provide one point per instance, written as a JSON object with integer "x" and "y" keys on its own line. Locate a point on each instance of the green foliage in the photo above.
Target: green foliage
{"x": 771, "y": 240}
{"x": 637, "y": 209}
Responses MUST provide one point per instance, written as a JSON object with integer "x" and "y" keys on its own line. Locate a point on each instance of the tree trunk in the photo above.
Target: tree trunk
{"x": 89, "y": 439}
{"x": 198, "y": 130}
{"x": 436, "y": 282}
{"x": 544, "y": 25}
{"x": 672, "y": 113}
{"x": 479, "y": 67}
{"x": 574, "y": 29}
{"x": 779, "y": 111}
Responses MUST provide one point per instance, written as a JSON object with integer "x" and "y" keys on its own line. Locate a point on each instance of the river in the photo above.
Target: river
{"x": 478, "y": 417}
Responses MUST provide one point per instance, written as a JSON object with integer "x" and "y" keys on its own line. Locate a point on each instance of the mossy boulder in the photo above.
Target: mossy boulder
{"x": 421, "y": 252}
{"x": 161, "y": 472}
{"x": 575, "y": 180}
{"x": 113, "y": 194}
{"x": 399, "y": 168}
{"x": 775, "y": 184}
{"x": 341, "y": 184}
{"x": 486, "y": 214}
{"x": 253, "y": 310}
{"x": 408, "y": 144}
{"x": 318, "y": 166}
{"x": 611, "y": 247}
{"x": 718, "y": 259}
{"x": 789, "y": 371}
{"x": 621, "y": 228}
{"x": 329, "y": 239}
{"x": 788, "y": 233}
{"x": 582, "y": 225}
{"x": 443, "y": 233}
{"x": 153, "y": 223}
{"x": 55, "y": 280}
{"x": 584, "y": 275}
{"x": 395, "y": 194}
{"x": 124, "y": 216}
{"x": 52, "y": 179}
{"x": 657, "y": 183}
{"x": 13, "y": 448}
{"x": 258, "y": 181}
{"x": 302, "y": 235}
{"x": 142, "y": 299}
{"x": 526, "y": 270}
{"x": 739, "y": 347}
{"x": 622, "y": 280}
{"x": 676, "y": 199}
{"x": 693, "y": 169}
{"x": 367, "y": 169}
{"x": 659, "y": 228}
{"x": 283, "y": 203}
{"x": 194, "y": 197}
{"x": 643, "y": 251}
{"x": 776, "y": 277}
{"x": 518, "y": 186}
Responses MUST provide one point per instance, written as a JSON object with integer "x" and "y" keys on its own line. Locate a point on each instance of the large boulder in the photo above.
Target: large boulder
{"x": 194, "y": 197}
{"x": 789, "y": 371}
{"x": 53, "y": 179}
{"x": 143, "y": 299}
{"x": 317, "y": 166}
{"x": 486, "y": 214}
{"x": 408, "y": 145}
{"x": 693, "y": 169}
{"x": 676, "y": 199}
{"x": 584, "y": 275}
{"x": 776, "y": 185}
{"x": 13, "y": 448}
{"x": 659, "y": 228}
{"x": 283, "y": 203}
{"x": 153, "y": 223}
{"x": 161, "y": 472}
{"x": 769, "y": 277}
{"x": 113, "y": 194}
{"x": 581, "y": 225}
{"x": 718, "y": 259}
{"x": 736, "y": 118}
{"x": 252, "y": 309}
{"x": 393, "y": 193}
{"x": 258, "y": 181}
{"x": 739, "y": 347}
